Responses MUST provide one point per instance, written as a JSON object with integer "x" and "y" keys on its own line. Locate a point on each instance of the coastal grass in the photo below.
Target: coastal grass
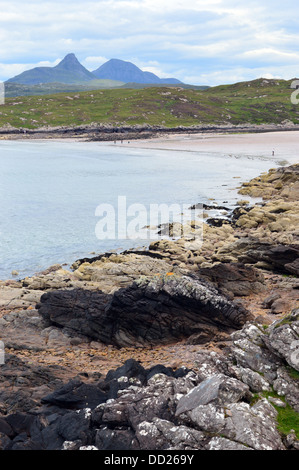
{"x": 256, "y": 102}
{"x": 287, "y": 418}
{"x": 293, "y": 373}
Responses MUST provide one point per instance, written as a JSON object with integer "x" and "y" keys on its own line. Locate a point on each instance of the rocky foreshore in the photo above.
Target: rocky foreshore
{"x": 118, "y": 132}
{"x": 181, "y": 345}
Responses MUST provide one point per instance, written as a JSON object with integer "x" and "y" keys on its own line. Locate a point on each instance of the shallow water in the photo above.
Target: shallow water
{"x": 49, "y": 192}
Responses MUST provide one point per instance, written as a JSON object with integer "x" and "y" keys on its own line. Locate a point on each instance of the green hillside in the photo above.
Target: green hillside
{"x": 17, "y": 89}
{"x": 257, "y": 102}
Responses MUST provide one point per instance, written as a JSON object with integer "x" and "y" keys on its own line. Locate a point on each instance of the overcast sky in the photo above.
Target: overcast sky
{"x": 199, "y": 42}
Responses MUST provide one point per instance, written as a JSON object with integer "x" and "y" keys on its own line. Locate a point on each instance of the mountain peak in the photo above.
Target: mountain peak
{"x": 69, "y": 62}
{"x": 69, "y": 70}
{"x": 116, "y": 69}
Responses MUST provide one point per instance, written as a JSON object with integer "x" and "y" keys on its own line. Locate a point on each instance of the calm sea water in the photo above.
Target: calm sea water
{"x": 49, "y": 192}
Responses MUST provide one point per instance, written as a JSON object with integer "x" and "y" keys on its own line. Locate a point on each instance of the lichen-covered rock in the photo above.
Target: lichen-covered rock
{"x": 254, "y": 426}
{"x": 255, "y": 381}
{"x": 283, "y": 339}
{"x": 217, "y": 389}
{"x": 249, "y": 352}
{"x": 221, "y": 443}
{"x": 164, "y": 435}
{"x": 287, "y": 387}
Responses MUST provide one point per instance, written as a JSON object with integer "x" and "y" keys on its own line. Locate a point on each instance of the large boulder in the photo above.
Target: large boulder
{"x": 152, "y": 310}
{"x": 283, "y": 339}
{"x": 278, "y": 257}
{"x": 235, "y": 278}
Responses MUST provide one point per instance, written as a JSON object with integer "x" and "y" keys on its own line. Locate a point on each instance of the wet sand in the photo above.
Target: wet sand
{"x": 285, "y": 145}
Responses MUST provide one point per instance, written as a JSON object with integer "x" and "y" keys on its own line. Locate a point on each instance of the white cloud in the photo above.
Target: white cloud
{"x": 94, "y": 62}
{"x": 272, "y": 55}
{"x": 192, "y": 40}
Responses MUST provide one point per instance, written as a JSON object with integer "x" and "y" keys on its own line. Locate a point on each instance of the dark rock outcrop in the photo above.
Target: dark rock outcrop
{"x": 150, "y": 311}
{"x": 280, "y": 258}
{"x": 236, "y": 278}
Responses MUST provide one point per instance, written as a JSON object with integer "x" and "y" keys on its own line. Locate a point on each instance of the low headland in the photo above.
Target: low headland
{"x": 179, "y": 346}
{"x": 260, "y": 105}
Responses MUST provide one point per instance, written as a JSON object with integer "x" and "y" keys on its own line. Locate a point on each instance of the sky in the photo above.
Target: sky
{"x": 199, "y": 42}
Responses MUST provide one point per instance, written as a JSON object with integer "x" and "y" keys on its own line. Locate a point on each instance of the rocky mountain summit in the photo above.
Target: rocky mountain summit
{"x": 181, "y": 345}
{"x": 69, "y": 70}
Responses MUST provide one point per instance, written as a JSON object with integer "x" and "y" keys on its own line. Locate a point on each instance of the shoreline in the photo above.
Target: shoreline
{"x": 250, "y": 142}
{"x": 248, "y": 145}
{"x": 284, "y": 145}
{"x": 110, "y": 133}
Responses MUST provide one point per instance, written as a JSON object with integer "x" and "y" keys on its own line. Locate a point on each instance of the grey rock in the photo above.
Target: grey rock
{"x": 208, "y": 418}
{"x": 291, "y": 441}
{"x": 75, "y": 426}
{"x": 249, "y": 351}
{"x": 164, "y": 435}
{"x": 115, "y": 413}
{"x": 286, "y": 386}
{"x": 155, "y": 400}
{"x": 267, "y": 303}
{"x": 283, "y": 339}
{"x": 203, "y": 394}
{"x": 254, "y": 426}
{"x": 217, "y": 389}
{"x": 277, "y": 402}
{"x": 221, "y": 443}
{"x": 255, "y": 381}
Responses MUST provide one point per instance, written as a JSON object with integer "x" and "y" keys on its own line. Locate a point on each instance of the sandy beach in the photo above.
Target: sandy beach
{"x": 255, "y": 143}
{"x": 284, "y": 144}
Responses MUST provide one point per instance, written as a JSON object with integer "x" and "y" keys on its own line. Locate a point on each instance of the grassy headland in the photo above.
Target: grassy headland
{"x": 256, "y": 102}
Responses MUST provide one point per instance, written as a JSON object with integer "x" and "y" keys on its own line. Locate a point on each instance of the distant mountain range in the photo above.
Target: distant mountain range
{"x": 70, "y": 71}
{"x": 127, "y": 72}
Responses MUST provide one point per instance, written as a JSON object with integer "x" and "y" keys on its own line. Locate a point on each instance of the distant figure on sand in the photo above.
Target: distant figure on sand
{"x": 272, "y": 153}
